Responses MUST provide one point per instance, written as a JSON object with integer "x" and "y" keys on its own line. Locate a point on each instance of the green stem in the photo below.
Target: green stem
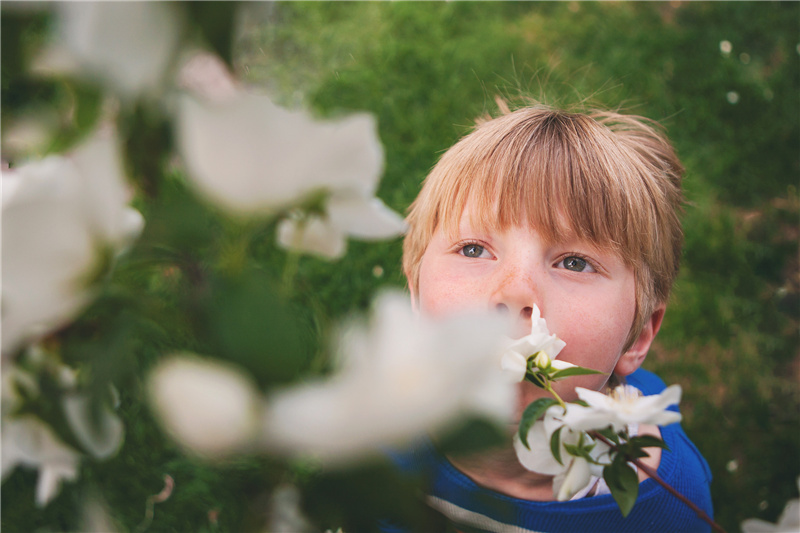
{"x": 292, "y": 258}
{"x": 549, "y": 388}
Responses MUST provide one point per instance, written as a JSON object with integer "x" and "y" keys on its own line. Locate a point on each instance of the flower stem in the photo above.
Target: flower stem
{"x": 653, "y": 474}
{"x": 549, "y": 388}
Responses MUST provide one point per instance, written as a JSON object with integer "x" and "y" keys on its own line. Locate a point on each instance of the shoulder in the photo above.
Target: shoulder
{"x": 646, "y": 381}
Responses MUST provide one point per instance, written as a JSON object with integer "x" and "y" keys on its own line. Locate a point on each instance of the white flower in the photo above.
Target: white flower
{"x": 788, "y": 521}
{"x": 518, "y": 351}
{"x": 101, "y": 438}
{"x": 250, "y": 156}
{"x": 624, "y": 406}
{"x": 571, "y": 474}
{"x": 59, "y": 214}
{"x": 128, "y": 45}
{"x": 572, "y": 480}
{"x": 401, "y": 377}
{"x": 208, "y": 407}
{"x": 538, "y": 457}
{"x": 27, "y": 441}
{"x": 347, "y": 213}
{"x": 207, "y": 75}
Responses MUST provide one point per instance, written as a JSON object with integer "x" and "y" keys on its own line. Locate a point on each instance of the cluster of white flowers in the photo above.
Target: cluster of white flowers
{"x": 625, "y": 406}
{"x": 66, "y": 217}
{"x": 399, "y": 377}
{"x": 29, "y": 442}
{"x": 61, "y": 217}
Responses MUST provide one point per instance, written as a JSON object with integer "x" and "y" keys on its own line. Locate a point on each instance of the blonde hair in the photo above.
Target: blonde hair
{"x": 608, "y": 178}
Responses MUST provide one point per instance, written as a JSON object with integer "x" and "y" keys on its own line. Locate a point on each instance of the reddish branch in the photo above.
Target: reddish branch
{"x": 653, "y": 474}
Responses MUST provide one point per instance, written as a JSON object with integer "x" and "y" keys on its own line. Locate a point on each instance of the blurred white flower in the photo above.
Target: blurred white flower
{"x": 95, "y": 516}
{"x": 210, "y": 408}
{"x": 60, "y": 215}
{"x": 27, "y": 441}
{"x": 623, "y": 407}
{"x": 348, "y": 213}
{"x": 251, "y": 157}
{"x": 400, "y": 377}
{"x": 285, "y": 513}
{"x": 515, "y": 358}
{"x": 101, "y": 438}
{"x": 789, "y": 521}
{"x": 128, "y": 45}
{"x": 725, "y": 47}
{"x": 206, "y": 74}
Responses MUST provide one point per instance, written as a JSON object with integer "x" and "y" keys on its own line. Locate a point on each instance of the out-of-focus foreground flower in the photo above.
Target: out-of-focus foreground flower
{"x": 788, "y": 521}
{"x": 251, "y": 157}
{"x": 401, "y": 377}
{"x": 61, "y": 218}
{"x": 127, "y": 45}
{"x": 210, "y": 408}
{"x": 27, "y": 441}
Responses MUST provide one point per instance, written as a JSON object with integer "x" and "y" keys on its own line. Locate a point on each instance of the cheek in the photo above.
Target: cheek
{"x": 595, "y": 334}
{"x": 446, "y": 293}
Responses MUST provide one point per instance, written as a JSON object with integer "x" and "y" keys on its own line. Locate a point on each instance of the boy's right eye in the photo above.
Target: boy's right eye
{"x": 473, "y": 250}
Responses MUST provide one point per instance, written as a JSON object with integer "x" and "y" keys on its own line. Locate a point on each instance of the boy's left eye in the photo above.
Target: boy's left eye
{"x": 576, "y": 264}
{"x": 473, "y": 250}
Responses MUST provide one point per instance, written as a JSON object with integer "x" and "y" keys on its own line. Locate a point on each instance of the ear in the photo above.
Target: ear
{"x": 634, "y": 357}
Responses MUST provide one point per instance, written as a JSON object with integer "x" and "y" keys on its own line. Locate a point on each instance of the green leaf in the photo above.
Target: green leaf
{"x": 609, "y": 433}
{"x": 573, "y": 371}
{"x": 531, "y": 414}
{"x": 555, "y": 445}
{"x": 648, "y": 441}
{"x": 623, "y": 483}
{"x": 536, "y": 379}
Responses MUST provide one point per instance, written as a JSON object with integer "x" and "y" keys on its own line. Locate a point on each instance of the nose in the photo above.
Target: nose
{"x": 513, "y": 295}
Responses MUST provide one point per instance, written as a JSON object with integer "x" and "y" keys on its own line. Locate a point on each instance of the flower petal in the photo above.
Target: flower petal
{"x": 127, "y": 44}
{"x": 577, "y": 476}
{"x": 210, "y": 408}
{"x": 515, "y": 364}
{"x": 538, "y": 458}
{"x": 101, "y": 438}
{"x": 364, "y": 218}
{"x": 314, "y": 235}
{"x": 250, "y": 156}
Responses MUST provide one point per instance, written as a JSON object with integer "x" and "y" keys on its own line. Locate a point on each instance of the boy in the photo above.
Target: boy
{"x": 577, "y": 213}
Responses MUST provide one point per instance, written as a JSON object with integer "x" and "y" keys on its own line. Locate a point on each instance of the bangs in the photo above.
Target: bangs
{"x": 564, "y": 175}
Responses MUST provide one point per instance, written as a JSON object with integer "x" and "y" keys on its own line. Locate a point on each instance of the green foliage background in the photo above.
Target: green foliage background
{"x": 427, "y": 70}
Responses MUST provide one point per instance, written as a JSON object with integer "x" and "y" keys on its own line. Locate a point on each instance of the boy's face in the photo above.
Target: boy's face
{"x": 586, "y": 295}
